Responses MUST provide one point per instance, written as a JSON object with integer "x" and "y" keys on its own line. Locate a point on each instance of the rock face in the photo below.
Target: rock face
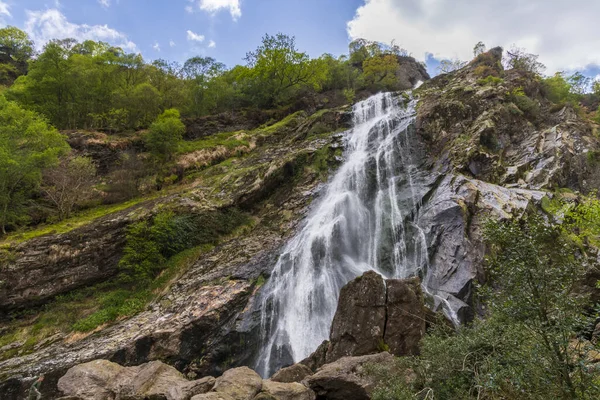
{"x": 104, "y": 380}
{"x": 346, "y": 379}
{"x": 406, "y": 317}
{"x": 374, "y": 315}
{"x": 359, "y": 324}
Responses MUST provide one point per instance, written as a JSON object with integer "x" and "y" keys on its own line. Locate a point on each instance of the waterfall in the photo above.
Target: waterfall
{"x": 362, "y": 221}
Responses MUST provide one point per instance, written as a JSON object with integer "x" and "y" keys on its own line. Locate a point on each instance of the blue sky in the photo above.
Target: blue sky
{"x": 563, "y": 32}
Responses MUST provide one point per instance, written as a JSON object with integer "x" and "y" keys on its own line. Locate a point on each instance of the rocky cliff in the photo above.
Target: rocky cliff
{"x": 493, "y": 149}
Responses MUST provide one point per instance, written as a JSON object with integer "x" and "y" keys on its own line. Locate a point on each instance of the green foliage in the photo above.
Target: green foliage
{"x": 528, "y": 106}
{"x": 165, "y": 134}
{"x": 391, "y": 380}
{"x": 490, "y": 81}
{"x": 16, "y": 49}
{"x": 517, "y": 58}
{"x": 27, "y": 146}
{"x": 226, "y": 139}
{"x": 277, "y": 68}
{"x": 380, "y": 72}
{"x": 151, "y": 243}
{"x": 447, "y": 66}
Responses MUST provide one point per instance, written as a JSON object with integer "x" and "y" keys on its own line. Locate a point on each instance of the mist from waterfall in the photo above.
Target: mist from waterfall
{"x": 361, "y": 222}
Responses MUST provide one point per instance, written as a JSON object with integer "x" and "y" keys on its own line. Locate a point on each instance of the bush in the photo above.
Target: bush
{"x": 490, "y": 81}
{"x": 529, "y": 107}
{"x": 151, "y": 243}
{"x": 165, "y": 134}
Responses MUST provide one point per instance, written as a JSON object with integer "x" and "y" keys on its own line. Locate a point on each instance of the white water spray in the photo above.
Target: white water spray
{"x": 361, "y": 223}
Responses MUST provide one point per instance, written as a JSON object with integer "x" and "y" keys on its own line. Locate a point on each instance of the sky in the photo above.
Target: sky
{"x": 563, "y": 32}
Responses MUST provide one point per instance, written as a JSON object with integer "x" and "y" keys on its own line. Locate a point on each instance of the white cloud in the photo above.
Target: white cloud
{"x": 156, "y": 47}
{"x": 212, "y": 44}
{"x": 172, "y": 44}
{"x": 563, "y": 32}
{"x": 214, "y": 6}
{"x": 194, "y": 37}
{"x": 4, "y": 9}
{"x": 46, "y": 25}
{"x": 104, "y": 3}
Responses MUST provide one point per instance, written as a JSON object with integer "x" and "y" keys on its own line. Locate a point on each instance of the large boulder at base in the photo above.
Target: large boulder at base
{"x": 239, "y": 383}
{"x": 346, "y": 378}
{"x": 212, "y": 396}
{"x": 294, "y": 373}
{"x": 374, "y": 314}
{"x": 102, "y": 379}
{"x": 359, "y": 322}
{"x": 287, "y": 391}
{"x": 406, "y": 316}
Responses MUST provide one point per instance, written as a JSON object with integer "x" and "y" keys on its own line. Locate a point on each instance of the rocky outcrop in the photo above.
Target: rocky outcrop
{"x": 374, "y": 315}
{"x": 346, "y": 379}
{"x": 294, "y": 373}
{"x": 359, "y": 324}
{"x": 104, "y": 380}
{"x": 41, "y": 268}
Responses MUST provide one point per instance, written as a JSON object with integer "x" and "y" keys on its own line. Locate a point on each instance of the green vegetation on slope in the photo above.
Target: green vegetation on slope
{"x": 531, "y": 345}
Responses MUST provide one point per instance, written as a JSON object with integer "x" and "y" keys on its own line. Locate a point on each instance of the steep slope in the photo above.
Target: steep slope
{"x": 493, "y": 148}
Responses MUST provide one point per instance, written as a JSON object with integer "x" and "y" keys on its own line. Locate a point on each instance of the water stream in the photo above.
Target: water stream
{"x": 362, "y": 221}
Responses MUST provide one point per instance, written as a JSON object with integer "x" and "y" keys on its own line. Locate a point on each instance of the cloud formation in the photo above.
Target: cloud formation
{"x": 156, "y": 47}
{"x": 104, "y": 3}
{"x": 212, "y": 44}
{"x": 46, "y": 25}
{"x": 563, "y": 32}
{"x": 194, "y": 37}
{"x": 214, "y": 6}
{"x": 4, "y": 9}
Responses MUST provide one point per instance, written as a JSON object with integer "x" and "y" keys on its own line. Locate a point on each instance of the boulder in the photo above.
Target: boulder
{"x": 212, "y": 396}
{"x": 239, "y": 383}
{"x": 94, "y": 380}
{"x": 102, "y": 379}
{"x": 346, "y": 379}
{"x": 294, "y": 373}
{"x": 406, "y": 316}
{"x": 359, "y": 323}
{"x": 287, "y": 391}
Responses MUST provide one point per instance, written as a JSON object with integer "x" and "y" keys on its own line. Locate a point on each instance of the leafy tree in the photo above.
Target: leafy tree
{"x": 277, "y": 68}
{"x": 69, "y": 183}
{"x": 165, "y": 134}
{"x": 579, "y": 83}
{"x": 479, "y": 49}
{"x": 518, "y": 58}
{"x": 27, "y": 146}
{"x": 447, "y": 66}
{"x": 536, "y": 275}
{"x": 380, "y": 72}
{"x": 16, "y": 49}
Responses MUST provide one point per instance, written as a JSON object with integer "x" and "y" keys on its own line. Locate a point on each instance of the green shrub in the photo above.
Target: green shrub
{"x": 151, "y": 243}
{"x": 529, "y": 107}
{"x": 490, "y": 81}
{"x": 165, "y": 134}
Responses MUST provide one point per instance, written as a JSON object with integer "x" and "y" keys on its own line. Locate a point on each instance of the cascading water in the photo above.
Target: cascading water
{"x": 362, "y": 222}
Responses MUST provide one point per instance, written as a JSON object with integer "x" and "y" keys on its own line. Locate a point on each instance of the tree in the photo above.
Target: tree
{"x": 277, "y": 67}
{"x": 535, "y": 274}
{"x": 69, "y": 183}
{"x": 27, "y": 146}
{"x": 165, "y": 134}
{"x": 517, "y": 58}
{"x": 479, "y": 48}
{"x": 580, "y": 84}
{"x": 16, "y": 49}
{"x": 380, "y": 72}
{"x": 447, "y": 66}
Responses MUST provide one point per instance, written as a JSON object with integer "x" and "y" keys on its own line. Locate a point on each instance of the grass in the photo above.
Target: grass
{"x": 226, "y": 139}
{"x": 287, "y": 121}
{"x": 81, "y": 219}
